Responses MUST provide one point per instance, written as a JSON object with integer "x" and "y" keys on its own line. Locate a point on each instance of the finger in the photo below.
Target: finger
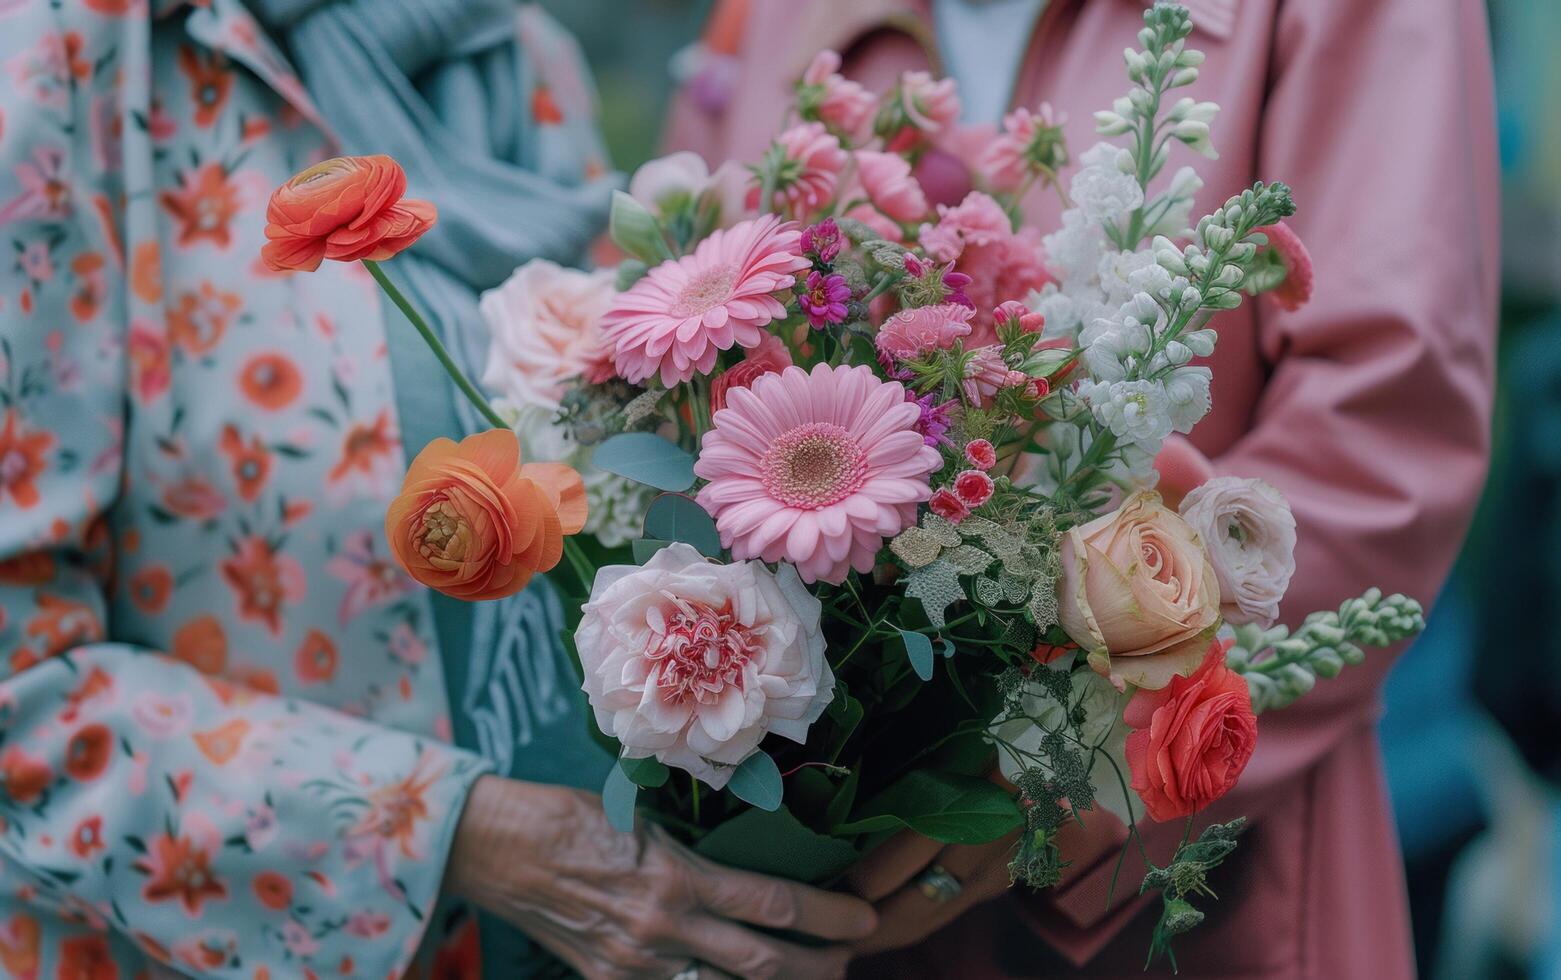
{"x": 890, "y": 865}
{"x": 708, "y": 972}
{"x": 910, "y": 915}
{"x": 764, "y": 901}
{"x": 744, "y": 953}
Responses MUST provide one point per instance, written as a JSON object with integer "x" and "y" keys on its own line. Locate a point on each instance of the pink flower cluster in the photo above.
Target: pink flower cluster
{"x": 978, "y": 236}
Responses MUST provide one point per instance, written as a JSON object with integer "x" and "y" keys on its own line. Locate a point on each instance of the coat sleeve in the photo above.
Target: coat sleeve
{"x": 1375, "y": 420}
{"x": 213, "y": 827}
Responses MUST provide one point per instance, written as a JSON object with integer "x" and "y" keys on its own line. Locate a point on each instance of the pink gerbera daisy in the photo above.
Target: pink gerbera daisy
{"x": 815, "y": 468}
{"x": 684, "y": 311}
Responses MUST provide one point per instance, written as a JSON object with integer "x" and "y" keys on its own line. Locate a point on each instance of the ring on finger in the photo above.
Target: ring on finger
{"x": 938, "y": 885}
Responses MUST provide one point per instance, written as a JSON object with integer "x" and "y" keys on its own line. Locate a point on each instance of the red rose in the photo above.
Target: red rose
{"x": 770, "y": 356}
{"x": 1191, "y": 739}
{"x": 973, "y": 487}
{"x": 948, "y": 506}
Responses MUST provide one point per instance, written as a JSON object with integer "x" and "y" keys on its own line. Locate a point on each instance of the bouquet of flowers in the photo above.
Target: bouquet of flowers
{"x": 871, "y": 537}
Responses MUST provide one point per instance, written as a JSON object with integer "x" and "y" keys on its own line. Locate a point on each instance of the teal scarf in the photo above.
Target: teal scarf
{"x": 444, "y": 87}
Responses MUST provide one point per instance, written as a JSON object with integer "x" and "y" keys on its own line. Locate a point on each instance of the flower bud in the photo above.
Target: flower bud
{"x": 634, "y": 229}
{"x": 1201, "y": 342}
{"x": 1178, "y": 353}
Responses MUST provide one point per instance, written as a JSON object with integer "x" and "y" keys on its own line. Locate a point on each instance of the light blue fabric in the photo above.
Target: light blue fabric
{"x": 983, "y": 44}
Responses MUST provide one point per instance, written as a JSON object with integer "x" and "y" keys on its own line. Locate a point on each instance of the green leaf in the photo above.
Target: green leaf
{"x": 644, "y": 548}
{"x": 648, "y": 772}
{"x": 774, "y": 842}
{"x": 618, "y": 795}
{"x": 919, "y": 649}
{"x": 948, "y": 808}
{"x": 645, "y": 457}
{"x": 676, "y": 517}
{"x": 758, "y": 781}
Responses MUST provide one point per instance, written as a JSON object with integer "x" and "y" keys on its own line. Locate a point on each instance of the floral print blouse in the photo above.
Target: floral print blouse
{"x": 223, "y": 739}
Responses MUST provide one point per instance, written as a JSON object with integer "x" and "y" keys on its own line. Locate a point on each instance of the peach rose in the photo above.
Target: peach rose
{"x": 1190, "y": 741}
{"x": 474, "y": 523}
{"x": 1138, "y": 593}
{"x": 346, "y": 208}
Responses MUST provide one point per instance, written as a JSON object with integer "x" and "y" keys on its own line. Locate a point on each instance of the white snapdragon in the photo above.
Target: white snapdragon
{"x": 1073, "y": 251}
{"x": 1174, "y": 205}
{"x": 1105, "y": 187}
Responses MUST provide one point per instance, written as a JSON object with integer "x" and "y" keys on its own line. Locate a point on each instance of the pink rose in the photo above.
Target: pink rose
{"x": 886, "y": 177}
{"x": 694, "y": 662}
{"x": 839, "y": 103}
{"x": 546, "y": 329}
{"x": 1250, "y": 534}
{"x": 1190, "y": 740}
{"x": 1138, "y": 593}
{"x": 769, "y": 357}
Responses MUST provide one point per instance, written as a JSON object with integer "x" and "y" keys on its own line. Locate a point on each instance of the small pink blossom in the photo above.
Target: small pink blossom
{"x": 973, "y": 488}
{"x": 823, "y": 241}
{"x": 825, "y": 299}
{"x": 813, "y": 162}
{"x": 1028, "y": 140}
{"x": 947, "y": 505}
{"x": 986, "y": 373}
{"x": 1016, "y": 313}
{"x": 886, "y": 177}
{"x": 980, "y": 454}
{"x": 839, "y": 103}
{"x": 930, "y": 104}
{"x": 1003, "y": 264}
{"x": 769, "y": 357}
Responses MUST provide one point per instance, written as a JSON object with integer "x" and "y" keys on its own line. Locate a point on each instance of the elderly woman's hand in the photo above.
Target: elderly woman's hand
{"x": 635, "y": 905}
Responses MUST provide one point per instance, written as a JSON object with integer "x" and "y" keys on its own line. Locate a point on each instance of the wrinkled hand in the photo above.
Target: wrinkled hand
{"x": 617, "y": 905}
{"x": 888, "y": 877}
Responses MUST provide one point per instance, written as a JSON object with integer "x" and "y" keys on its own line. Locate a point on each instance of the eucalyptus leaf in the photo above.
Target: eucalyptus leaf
{"x": 677, "y": 517}
{"x": 645, "y": 457}
{"x": 758, "y": 781}
{"x": 648, "y": 772}
{"x": 618, "y": 795}
{"x": 644, "y": 548}
{"x": 946, "y": 807}
{"x": 919, "y": 649}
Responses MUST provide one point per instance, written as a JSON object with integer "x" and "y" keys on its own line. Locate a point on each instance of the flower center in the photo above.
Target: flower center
{"x": 446, "y": 535}
{"x": 703, "y": 291}
{"x": 813, "y": 466}
{"x": 700, "y": 651}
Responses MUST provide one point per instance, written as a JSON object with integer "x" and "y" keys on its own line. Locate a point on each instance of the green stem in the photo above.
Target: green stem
{"x": 429, "y": 337}
{"x": 694, "y": 800}
{"x": 583, "y": 567}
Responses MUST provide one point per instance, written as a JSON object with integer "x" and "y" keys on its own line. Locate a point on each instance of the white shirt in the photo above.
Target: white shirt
{"x": 983, "y": 44}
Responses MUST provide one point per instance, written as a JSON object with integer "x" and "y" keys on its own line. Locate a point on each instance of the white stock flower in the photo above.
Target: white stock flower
{"x": 694, "y": 662}
{"x": 1073, "y": 251}
{"x": 1176, "y": 220}
{"x": 1187, "y": 390}
{"x": 1104, "y": 187}
{"x": 1136, "y": 412}
{"x": 1249, "y": 533}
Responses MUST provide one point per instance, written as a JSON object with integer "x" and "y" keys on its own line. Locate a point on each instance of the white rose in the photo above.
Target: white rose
{"x": 1250, "y": 535}
{"x": 694, "y": 662}
{"x": 545, "y": 326}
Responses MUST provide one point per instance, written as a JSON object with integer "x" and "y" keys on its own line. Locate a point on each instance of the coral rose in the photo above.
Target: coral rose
{"x": 694, "y": 662}
{"x": 545, "y": 324}
{"x": 474, "y": 523}
{"x": 1138, "y": 593}
{"x": 345, "y": 208}
{"x": 1191, "y": 740}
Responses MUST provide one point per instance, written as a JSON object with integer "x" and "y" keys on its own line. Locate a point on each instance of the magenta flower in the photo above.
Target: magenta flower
{"x": 822, "y": 241}
{"x": 816, "y": 469}
{"x": 826, "y": 298}
{"x": 934, "y": 422}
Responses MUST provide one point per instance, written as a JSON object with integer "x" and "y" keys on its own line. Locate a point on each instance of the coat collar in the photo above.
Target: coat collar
{"x": 837, "y": 25}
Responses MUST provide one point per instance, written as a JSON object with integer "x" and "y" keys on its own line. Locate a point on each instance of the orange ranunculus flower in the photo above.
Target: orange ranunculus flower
{"x": 474, "y": 523}
{"x": 346, "y": 208}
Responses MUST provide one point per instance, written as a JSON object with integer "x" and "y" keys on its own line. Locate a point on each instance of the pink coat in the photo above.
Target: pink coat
{"x": 1369, "y": 409}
